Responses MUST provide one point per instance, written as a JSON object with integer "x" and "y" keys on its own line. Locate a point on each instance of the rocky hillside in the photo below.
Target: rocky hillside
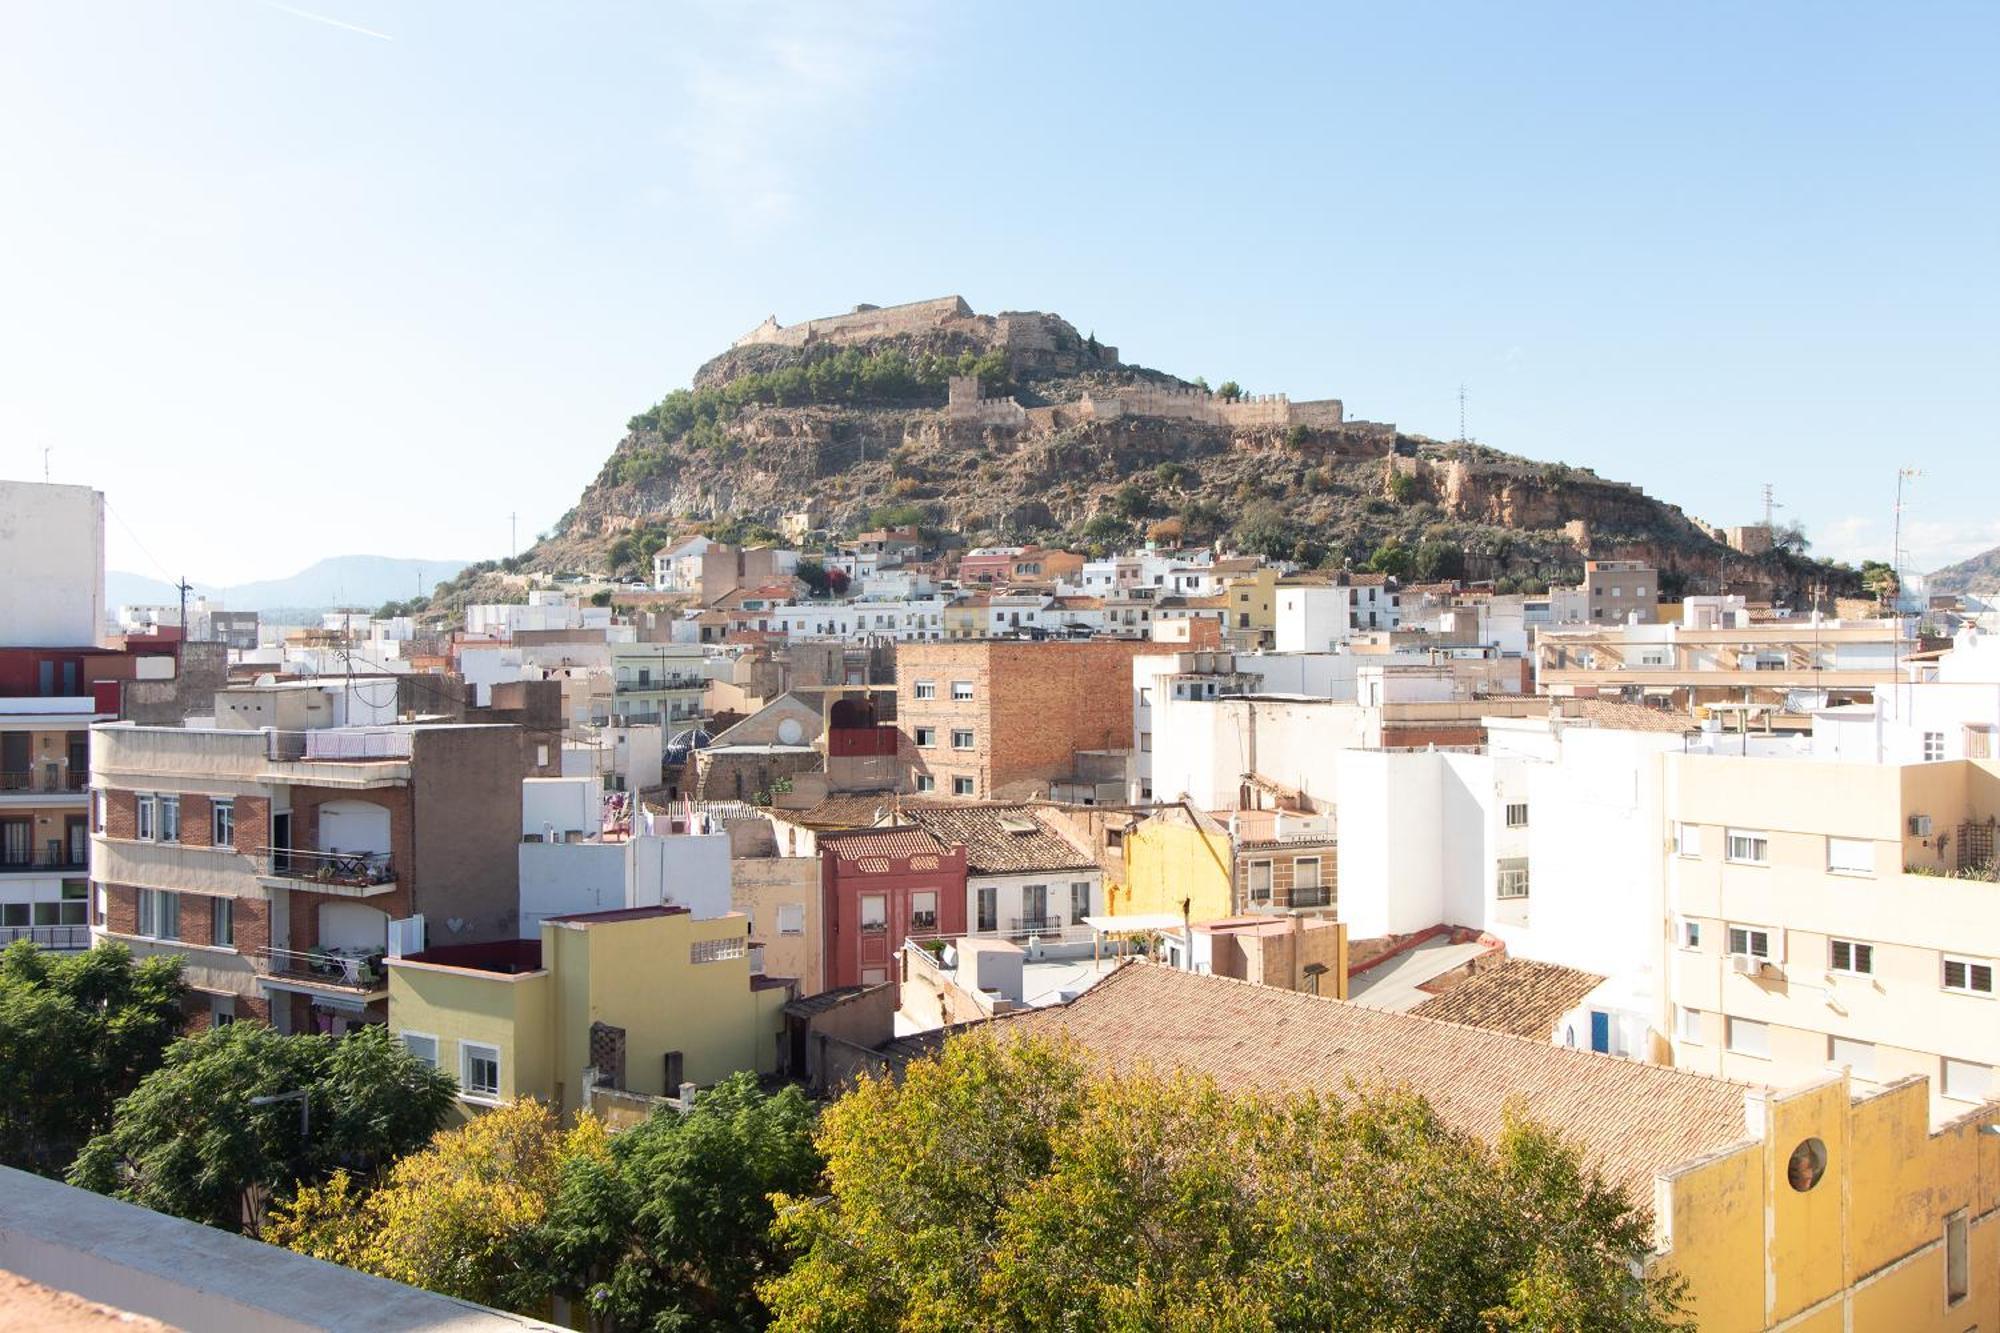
{"x": 1978, "y": 576}
{"x": 847, "y": 419}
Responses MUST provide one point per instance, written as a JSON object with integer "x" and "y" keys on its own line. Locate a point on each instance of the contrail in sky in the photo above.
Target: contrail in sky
{"x": 330, "y": 22}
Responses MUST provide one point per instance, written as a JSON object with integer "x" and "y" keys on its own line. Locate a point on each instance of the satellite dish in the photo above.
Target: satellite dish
{"x": 790, "y": 732}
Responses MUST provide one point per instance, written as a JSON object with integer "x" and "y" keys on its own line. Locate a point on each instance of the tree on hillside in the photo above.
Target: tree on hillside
{"x": 77, "y": 1032}
{"x": 1009, "y": 1179}
{"x": 1229, "y": 391}
{"x": 457, "y": 1216}
{"x": 672, "y": 1230}
{"x": 812, "y": 573}
{"x": 188, "y": 1141}
{"x": 1879, "y": 578}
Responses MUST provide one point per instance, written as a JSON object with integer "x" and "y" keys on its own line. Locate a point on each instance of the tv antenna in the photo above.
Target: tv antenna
{"x": 513, "y": 537}
{"x": 1461, "y": 411}
{"x": 1770, "y": 504}
{"x": 1897, "y": 556}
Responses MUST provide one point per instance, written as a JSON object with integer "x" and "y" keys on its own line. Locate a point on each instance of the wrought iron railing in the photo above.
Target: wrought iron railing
{"x": 28, "y": 780}
{"x": 45, "y": 858}
{"x": 346, "y": 869}
{"x": 345, "y": 968}
{"x": 48, "y": 937}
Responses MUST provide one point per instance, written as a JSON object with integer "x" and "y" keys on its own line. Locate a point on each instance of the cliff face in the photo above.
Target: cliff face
{"x": 847, "y": 420}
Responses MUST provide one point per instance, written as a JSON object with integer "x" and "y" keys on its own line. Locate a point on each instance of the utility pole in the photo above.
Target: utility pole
{"x": 513, "y": 537}
{"x": 183, "y": 589}
{"x": 1461, "y": 411}
{"x": 1770, "y": 504}
{"x": 45, "y": 466}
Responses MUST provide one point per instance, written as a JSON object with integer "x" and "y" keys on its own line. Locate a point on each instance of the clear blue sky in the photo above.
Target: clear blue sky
{"x": 303, "y": 279}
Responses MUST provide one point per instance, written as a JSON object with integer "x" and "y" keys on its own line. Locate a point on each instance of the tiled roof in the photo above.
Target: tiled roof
{"x": 1612, "y": 715}
{"x": 1000, "y": 839}
{"x": 1356, "y": 580}
{"x": 889, "y": 842}
{"x": 1516, "y": 995}
{"x": 1632, "y": 1119}
{"x": 846, "y": 810}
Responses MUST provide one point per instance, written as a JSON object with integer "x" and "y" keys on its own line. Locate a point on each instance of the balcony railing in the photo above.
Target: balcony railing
{"x": 48, "y": 937}
{"x": 69, "y": 780}
{"x": 355, "y": 870}
{"x": 46, "y": 858}
{"x": 1037, "y": 925}
{"x": 344, "y": 968}
{"x": 1311, "y": 897}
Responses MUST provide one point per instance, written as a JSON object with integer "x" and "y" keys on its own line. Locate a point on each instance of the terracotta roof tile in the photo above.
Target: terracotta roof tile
{"x": 999, "y": 839}
{"x": 1635, "y": 1120}
{"x": 1613, "y": 715}
{"x": 1516, "y": 995}
{"x": 891, "y": 842}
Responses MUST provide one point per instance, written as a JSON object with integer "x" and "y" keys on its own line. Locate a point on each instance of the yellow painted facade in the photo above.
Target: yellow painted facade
{"x": 1863, "y": 1250}
{"x": 630, "y": 971}
{"x": 1253, "y": 600}
{"x": 1170, "y": 859}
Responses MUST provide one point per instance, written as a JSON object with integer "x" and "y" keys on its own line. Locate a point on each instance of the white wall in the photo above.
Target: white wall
{"x": 51, "y": 565}
{"x": 686, "y": 870}
{"x": 567, "y": 804}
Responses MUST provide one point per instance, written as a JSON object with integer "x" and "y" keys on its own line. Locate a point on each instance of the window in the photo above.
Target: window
{"x": 1753, "y": 941}
{"x": 1965, "y": 1081}
{"x": 1968, "y": 976}
{"x": 222, "y": 823}
{"x": 1749, "y": 848}
{"x": 1258, "y": 881}
{"x": 1687, "y": 840}
{"x": 149, "y": 818}
{"x": 792, "y": 919}
{"x": 1748, "y": 1038}
{"x": 1858, "y": 1056}
{"x": 222, "y": 922}
{"x": 1305, "y": 875}
{"x": 1851, "y": 956}
{"x": 874, "y": 913}
{"x": 478, "y": 1070}
{"x": 1517, "y": 814}
{"x": 926, "y": 737}
{"x": 1850, "y": 856}
{"x": 923, "y": 910}
{"x": 1933, "y": 746}
{"x": 1035, "y": 906}
{"x": 1145, "y": 742}
{"x": 1513, "y": 878}
{"x": 717, "y": 951}
{"x": 1687, "y": 1025}
{"x": 961, "y": 738}
{"x": 1688, "y": 934}
{"x": 989, "y": 907}
{"x": 925, "y": 782}
{"x": 1079, "y": 899}
{"x": 422, "y": 1045}
{"x": 926, "y": 689}
{"x": 170, "y": 819}
{"x": 961, "y": 690}
{"x": 159, "y": 914}
{"x": 961, "y": 786}
{"x": 1957, "y": 1265}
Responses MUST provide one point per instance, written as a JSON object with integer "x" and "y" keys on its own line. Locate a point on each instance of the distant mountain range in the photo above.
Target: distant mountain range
{"x": 341, "y": 580}
{"x": 1979, "y": 575}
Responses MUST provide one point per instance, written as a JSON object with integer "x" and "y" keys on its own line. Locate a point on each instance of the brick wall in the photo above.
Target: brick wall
{"x": 121, "y": 814}
{"x": 197, "y": 821}
{"x": 121, "y": 909}
{"x": 1284, "y": 874}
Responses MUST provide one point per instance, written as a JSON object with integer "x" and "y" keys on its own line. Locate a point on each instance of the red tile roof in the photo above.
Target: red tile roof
{"x": 890, "y": 842}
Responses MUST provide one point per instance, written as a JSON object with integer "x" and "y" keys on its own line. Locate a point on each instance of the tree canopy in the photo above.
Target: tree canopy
{"x": 1003, "y": 1185}
{"x": 77, "y": 1032}
{"x": 188, "y": 1141}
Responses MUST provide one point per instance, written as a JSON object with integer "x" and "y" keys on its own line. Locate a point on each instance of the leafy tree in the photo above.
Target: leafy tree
{"x": 897, "y": 516}
{"x": 1391, "y": 558}
{"x": 1401, "y": 486}
{"x": 602, "y": 597}
{"x": 1003, "y": 1185}
{"x": 672, "y": 1230}
{"x": 1174, "y": 476}
{"x": 187, "y": 1141}
{"x": 1166, "y": 532}
{"x": 458, "y": 1217}
{"x": 77, "y": 1032}
{"x": 1437, "y": 559}
{"x": 1132, "y": 502}
{"x": 1790, "y": 537}
{"x": 1264, "y": 530}
{"x": 1879, "y": 578}
{"x": 1230, "y": 391}
{"x": 1105, "y": 526}
{"x": 812, "y": 573}
{"x": 1297, "y": 436}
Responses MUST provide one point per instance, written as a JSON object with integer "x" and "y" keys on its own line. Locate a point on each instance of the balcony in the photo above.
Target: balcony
{"x": 349, "y": 874}
{"x": 47, "y": 858}
{"x": 65, "y": 782}
{"x": 350, "y": 971}
{"x": 1311, "y": 896}
{"x": 48, "y": 937}
{"x": 1037, "y": 925}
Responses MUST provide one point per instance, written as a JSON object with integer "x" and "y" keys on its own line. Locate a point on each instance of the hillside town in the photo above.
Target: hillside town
{"x": 1704, "y": 884}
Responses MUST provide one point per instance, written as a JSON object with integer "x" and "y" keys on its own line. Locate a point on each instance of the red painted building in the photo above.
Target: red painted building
{"x": 880, "y": 886}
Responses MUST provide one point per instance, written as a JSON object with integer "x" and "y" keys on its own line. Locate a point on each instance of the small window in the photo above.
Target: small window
{"x": 961, "y": 738}
{"x": 1687, "y": 1025}
{"x": 961, "y": 690}
{"x": 1688, "y": 934}
{"x": 1512, "y": 880}
{"x": 421, "y": 1045}
{"x": 159, "y": 914}
{"x": 1687, "y": 840}
{"x": 1751, "y": 941}
{"x": 1968, "y": 976}
{"x": 1851, "y": 956}
{"x": 1858, "y": 1056}
{"x": 148, "y": 818}
{"x": 1749, "y": 848}
{"x": 792, "y": 919}
{"x": 1517, "y": 814}
{"x": 1933, "y": 746}
{"x": 1957, "y": 1263}
{"x": 989, "y": 908}
{"x": 925, "y": 782}
{"x": 925, "y": 689}
{"x": 961, "y": 786}
{"x": 926, "y": 737}
{"x": 874, "y": 913}
{"x": 1850, "y": 856}
{"x": 222, "y": 922}
{"x": 170, "y": 819}
{"x": 1305, "y": 874}
{"x": 222, "y": 823}
{"x": 1145, "y": 742}
{"x": 1748, "y": 1038}
{"x": 1259, "y": 881}
{"x": 923, "y": 910}
{"x": 1966, "y": 1081}
{"x": 478, "y": 1070}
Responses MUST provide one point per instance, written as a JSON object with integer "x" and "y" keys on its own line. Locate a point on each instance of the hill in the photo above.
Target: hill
{"x": 1016, "y": 427}
{"x": 341, "y": 580}
{"x": 1978, "y": 576}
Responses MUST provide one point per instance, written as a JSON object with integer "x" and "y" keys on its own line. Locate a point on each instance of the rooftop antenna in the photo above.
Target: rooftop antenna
{"x": 1461, "y": 411}
{"x": 513, "y": 537}
{"x": 1903, "y": 475}
{"x": 1769, "y": 505}
{"x": 45, "y": 465}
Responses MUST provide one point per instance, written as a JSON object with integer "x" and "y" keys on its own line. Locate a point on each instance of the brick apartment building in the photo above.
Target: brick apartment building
{"x": 880, "y": 886}
{"x": 280, "y": 862}
{"x": 998, "y": 719}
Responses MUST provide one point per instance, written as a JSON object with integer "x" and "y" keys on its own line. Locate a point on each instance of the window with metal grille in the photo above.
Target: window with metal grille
{"x": 1851, "y": 956}
{"x": 1754, "y": 941}
{"x": 1512, "y": 881}
{"x": 1517, "y": 814}
{"x": 1968, "y": 976}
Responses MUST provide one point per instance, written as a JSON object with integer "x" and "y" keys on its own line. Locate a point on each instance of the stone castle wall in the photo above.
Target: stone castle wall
{"x": 862, "y": 324}
{"x": 965, "y": 406}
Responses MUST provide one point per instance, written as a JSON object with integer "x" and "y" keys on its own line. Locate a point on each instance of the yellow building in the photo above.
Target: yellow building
{"x": 649, "y": 996}
{"x": 1177, "y": 863}
{"x": 1811, "y": 1209}
{"x": 1251, "y": 598}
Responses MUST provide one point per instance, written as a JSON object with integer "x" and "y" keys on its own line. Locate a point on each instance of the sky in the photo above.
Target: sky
{"x": 293, "y": 280}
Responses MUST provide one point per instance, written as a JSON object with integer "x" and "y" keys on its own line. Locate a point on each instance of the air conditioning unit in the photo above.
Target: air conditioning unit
{"x": 1748, "y": 965}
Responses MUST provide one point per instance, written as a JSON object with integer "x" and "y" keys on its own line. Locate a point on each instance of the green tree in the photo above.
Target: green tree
{"x": 1878, "y": 577}
{"x": 188, "y": 1141}
{"x": 1002, "y": 1184}
{"x": 1173, "y": 476}
{"x": 812, "y": 573}
{"x": 673, "y": 1229}
{"x": 1264, "y": 530}
{"x": 1230, "y": 390}
{"x": 1132, "y": 502}
{"x": 1401, "y": 486}
{"x": 1391, "y": 558}
{"x": 1437, "y": 559}
{"x": 77, "y": 1032}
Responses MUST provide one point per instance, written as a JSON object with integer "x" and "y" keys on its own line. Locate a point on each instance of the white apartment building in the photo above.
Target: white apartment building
{"x": 545, "y": 609}
{"x": 52, "y": 552}
{"x": 1313, "y": 617}
{"x": 677, "y": 568}
{"x": 658, "y": 684}
{"x": 44, "y": 820}
{"x": 571, "y": 861}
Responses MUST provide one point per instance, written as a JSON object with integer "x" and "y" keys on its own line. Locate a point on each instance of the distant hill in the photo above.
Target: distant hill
{"x": 341, "y": 580}
{"x": 1979, "y": 576}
